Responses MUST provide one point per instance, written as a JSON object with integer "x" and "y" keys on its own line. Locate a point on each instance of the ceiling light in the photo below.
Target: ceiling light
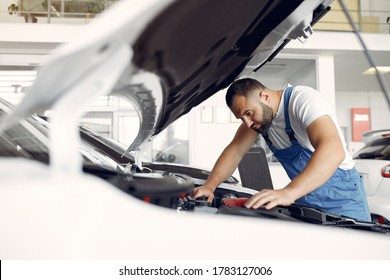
{"x": 381, "y": 69}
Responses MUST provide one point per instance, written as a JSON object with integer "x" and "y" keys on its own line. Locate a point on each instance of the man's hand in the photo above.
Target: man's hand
{"x": 269, "y": 199}
{"x": 203, "y": 191}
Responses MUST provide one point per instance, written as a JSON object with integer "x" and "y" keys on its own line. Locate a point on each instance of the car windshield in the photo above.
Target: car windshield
{"x": 21, "y": 141}
{"x": 377, "y": 149}
{"x": 29, "y": 139}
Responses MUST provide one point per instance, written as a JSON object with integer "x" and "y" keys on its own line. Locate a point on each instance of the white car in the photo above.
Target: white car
{"x": 373, "y": 164}
{"x": 195, "y": 48}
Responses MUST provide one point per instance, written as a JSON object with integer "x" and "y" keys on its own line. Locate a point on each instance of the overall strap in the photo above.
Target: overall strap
{"x": 266, "y": 138}
{"x": 288, "y": 129}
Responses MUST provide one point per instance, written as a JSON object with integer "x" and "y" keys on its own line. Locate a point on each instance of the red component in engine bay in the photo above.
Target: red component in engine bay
{"x": 234, "y": 202}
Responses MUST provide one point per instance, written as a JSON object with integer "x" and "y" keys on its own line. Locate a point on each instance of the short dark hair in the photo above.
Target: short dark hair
{"x": 241, "y": 87}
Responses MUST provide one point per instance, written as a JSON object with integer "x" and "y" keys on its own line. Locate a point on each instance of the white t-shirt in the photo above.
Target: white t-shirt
{"x": 306, "y": 105}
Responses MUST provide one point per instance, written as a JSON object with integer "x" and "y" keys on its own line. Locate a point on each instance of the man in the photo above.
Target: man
{"x": 303, "y": 133}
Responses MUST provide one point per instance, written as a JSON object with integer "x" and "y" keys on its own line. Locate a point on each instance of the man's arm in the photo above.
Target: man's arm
{"x": 328, "y": 155}
{"x": 227, "y": 162}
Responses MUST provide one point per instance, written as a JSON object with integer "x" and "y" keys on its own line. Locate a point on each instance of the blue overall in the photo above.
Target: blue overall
{"x": 343, "y": 194}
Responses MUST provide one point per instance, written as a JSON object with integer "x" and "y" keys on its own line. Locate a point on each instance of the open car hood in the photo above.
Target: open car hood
{"x": 200, "y": 47}
{"x": 195, "y": 48}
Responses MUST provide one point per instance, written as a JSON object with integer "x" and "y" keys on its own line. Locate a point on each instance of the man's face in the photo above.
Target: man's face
{"x": 253, "y": 112}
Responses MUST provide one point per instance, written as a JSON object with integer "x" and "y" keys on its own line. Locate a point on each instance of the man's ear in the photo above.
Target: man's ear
{"x": 264, "y": 95}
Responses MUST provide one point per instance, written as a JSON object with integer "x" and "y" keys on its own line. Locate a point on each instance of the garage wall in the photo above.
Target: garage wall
{"x": 208, "y": 139}
{"x": 306, "y": 76}
{"x": 378, "y": 108}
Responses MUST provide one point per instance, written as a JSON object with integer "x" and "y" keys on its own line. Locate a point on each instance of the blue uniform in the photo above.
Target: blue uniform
{"x": 343, "y": 194}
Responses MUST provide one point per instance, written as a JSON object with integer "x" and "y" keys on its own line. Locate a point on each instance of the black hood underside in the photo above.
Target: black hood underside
{"x": 199, "y": 47}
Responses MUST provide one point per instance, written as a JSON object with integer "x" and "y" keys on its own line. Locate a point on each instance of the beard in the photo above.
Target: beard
{"x": 266, "y": 122}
